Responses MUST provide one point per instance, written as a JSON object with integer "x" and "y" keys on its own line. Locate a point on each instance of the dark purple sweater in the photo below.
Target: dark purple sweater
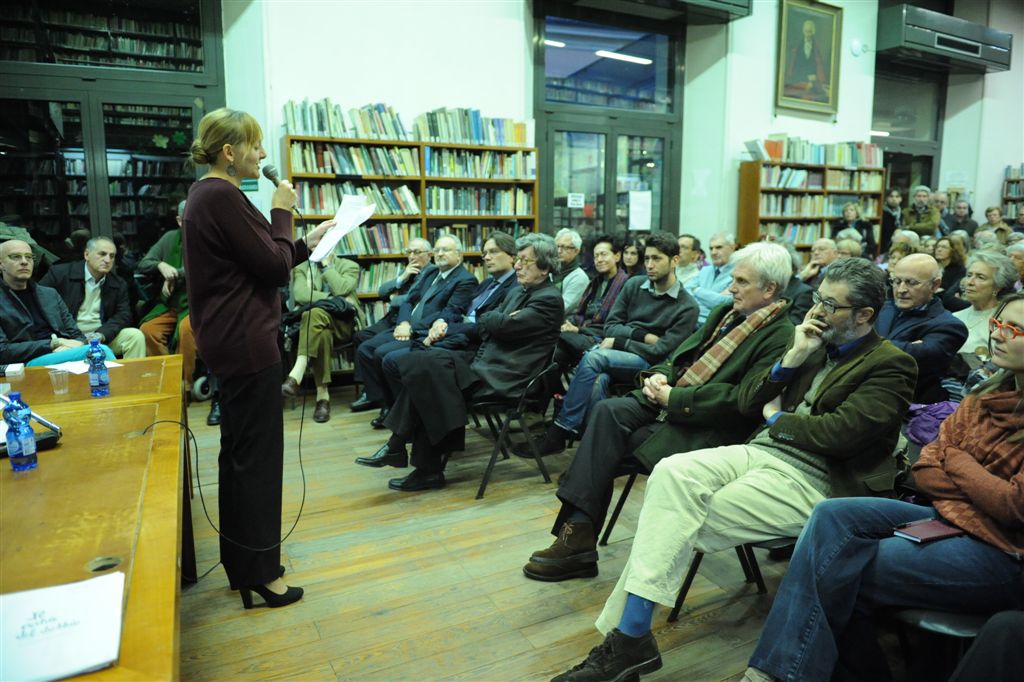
{"x": 236, "y": 262}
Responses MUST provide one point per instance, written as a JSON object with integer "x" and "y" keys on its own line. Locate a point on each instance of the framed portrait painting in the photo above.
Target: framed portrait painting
{"x": 810, "y": 37}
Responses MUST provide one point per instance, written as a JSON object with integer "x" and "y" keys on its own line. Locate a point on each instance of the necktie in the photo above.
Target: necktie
{"x": 417, "y": 312}
{"x": 481, "y": 298}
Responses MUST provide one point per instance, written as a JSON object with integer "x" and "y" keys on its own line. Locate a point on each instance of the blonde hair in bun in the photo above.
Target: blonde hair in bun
{"x": 220, "y": 127}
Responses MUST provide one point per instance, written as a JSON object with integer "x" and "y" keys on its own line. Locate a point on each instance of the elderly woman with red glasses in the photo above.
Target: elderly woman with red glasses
{"x": 848, "y": 563}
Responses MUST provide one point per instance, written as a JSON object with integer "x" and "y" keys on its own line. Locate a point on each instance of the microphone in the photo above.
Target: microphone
{"x": 271, "y": 173}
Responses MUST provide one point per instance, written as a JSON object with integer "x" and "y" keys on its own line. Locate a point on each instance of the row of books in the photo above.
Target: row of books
{"x": 325, "y": 198}
{"x": 466, "y": 163}
{"x": 135, "y": 168}
{"x": 1012, "y": 210}
{"x": 320, "y": 157}
{"x": 369, "y": 122}
{"x": 15, "y": 166}
{"x": 468, "y": 126}
{"x": 473, "y": 237}
{"x": 1014, "y": 172}
{"x": 1014, "y": 190}
{"x": 798, "y": 150}
{"x": 114, "y": 24}
{"x": 380, "y": 238}
{"x": 477, "y": 201}
{"x": 779, "y": 177}
{"x": 861, "y": 181}
{"x": 813, "y": 205}
{"x": 796, "y": 233}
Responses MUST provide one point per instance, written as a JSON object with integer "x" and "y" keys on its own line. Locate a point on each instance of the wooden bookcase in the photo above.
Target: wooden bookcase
{"x": 798, "y": 201}
{"x": 420, "y": 188}
{"x": 1013, "y": 192}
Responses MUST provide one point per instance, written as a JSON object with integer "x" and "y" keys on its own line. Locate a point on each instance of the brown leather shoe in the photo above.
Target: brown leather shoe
{"x": 553, "y": 573}
{"x": 576, "y": 544}
{"x": 322, "y": 412}
{"x": 289, "y": 388}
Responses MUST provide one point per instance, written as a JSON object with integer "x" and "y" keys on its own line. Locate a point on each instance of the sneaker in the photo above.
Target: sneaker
{"x": 576, "y": 544}
{"x": 617, "y": 659}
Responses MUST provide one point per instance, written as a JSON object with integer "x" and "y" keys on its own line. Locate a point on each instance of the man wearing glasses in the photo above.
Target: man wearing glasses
{"x": 36, "y": 326}
{"x": 832, "y": 406}
{"x": 571, "y": 279}
{"x": 916, "y": 322}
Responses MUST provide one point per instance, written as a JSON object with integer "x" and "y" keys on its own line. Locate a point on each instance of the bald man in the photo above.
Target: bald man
{"x": 36, "y": 326}
{"x": 916, "y": 323}
{"x": 823, "y": 252}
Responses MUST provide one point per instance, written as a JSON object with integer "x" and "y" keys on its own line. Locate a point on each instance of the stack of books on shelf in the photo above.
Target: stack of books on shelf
{"x": 465, "y": 163}
{"x": 378, "y": 238}
{"x": 321, "y": 157}
{"x": 786, "y": 149}
{"x": 322, "y": 198}
{"x": 473, "y": 237}
{"x": 478, "y": 201}
{"x": 801, "y": 234}
{"x": 861, "y": 181}
{"x": 369, "y": 122}
{"x": 806, "y": 206}
{"x": 778, "y": 177}
{"x": 467, "y": 126}
{"x": 375, "y": 274}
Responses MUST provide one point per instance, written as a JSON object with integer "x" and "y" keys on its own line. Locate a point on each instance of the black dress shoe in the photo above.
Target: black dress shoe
{"x": 272, "y": 599}
{"x": 363, "y": 403}
{"x": 213, "y": 419}
{"x": 418, "y": 480}
{"x": 378, "y": 421}
{"x": 384, "y": 458}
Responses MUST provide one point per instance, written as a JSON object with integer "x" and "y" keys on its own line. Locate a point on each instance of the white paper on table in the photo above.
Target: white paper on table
{"x": 640, "y": 210}
{"x": 54, "y": 632}
{"x": 80, "y": 366}
{"x": 353, "y": 212}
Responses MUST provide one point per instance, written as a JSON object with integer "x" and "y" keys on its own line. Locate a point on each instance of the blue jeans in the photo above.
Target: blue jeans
{"x": 847, "y": 564}
{"x": 67, "y": 355}
{"x": 595, "y": 373}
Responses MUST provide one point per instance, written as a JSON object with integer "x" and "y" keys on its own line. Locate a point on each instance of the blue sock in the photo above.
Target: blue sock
{"x": 636, "y": 617}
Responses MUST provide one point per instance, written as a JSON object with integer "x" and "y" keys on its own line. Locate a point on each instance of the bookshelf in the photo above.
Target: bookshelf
{"x": 798, "y": 201}
{"x": 1013, "y": 192}
{"x": 419, "y": 189}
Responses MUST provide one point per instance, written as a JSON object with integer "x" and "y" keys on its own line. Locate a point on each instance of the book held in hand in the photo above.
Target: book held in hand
{"x": 926, "y": 530}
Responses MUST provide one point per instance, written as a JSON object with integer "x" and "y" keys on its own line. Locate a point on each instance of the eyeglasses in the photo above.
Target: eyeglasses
{"x": 1006, "y": 330}
{"x": 896, "y": 283}
{"x": 15, "y": 257}
{"x": 563, "y": 247}
{"x": 830, "y": 306}
{"x": 526, "y": 262}
{"x": 415, "y": 252}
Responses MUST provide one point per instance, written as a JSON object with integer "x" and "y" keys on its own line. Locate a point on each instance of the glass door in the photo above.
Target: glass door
{"x": 579, "y": 181}
{"x": 640, "y": 168}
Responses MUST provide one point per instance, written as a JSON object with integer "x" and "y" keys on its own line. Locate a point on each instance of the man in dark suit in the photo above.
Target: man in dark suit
{"x": 98, "y": 299}
{"x": 441, "y": 292}
{"x": 684, "y": 417}
{"x": 518, "y": 338}
{"x": 499, "y": 255}
{"x": 916, "y": 322}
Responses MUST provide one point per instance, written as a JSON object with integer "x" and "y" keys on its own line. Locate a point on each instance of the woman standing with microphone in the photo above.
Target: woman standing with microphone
{"x": 236, "y": 262}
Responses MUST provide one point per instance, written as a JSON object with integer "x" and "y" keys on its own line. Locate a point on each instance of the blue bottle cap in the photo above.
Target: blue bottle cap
{"x": 14, "y": 395}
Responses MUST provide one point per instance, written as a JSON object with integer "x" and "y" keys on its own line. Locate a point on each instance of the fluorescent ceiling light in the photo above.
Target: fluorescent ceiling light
{"x": 623, "y": 57}
{"x": 879, "y": 133}
{"x": 554, "y": 43}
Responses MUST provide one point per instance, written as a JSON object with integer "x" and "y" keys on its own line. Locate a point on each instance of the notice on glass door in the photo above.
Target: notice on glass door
{"x": 575, "y": 200}
{"x": 640, "y": 210}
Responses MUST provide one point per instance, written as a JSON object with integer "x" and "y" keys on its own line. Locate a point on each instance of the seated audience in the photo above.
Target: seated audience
{"x": 921, "y": 217}
{"x": 928, "y": 245}
{"x": 823, "y": 252}
{"x": 848, "y": 565}
{"x": 1017, "y": 226}
{"x": 652, "y": 315}
{"x": 848, "y": 248}
{"x": 689, "y": 253}
{"x": 940, "y": 200}
{"x": 963, "y": 239}
{"x": 852, "y": 220}
{"x": 571, "y": 279}
{"x": 418, "y": 255}
{"x": 710, "y": 288}
{"x": 688, "y": 402}
{"x": 986, "y": 239}
{"x": 632, "y": 256}
{"x": 994, "y": 220}
{"x": 442, "y": 293}
{"x": 951, "y": 256}
{"x": 892, "y": 217}
{"x": 990, "y": 276}
{"x": 1016, "y": 254}
{"x": 915, "y": 322}
{"x": 430, "y": 412}
{"x": 799, "y": 296}
{"x": 833, "y": 404}
{"x": 319, "y": 330}
{"x": 166, "y": 325}
{"x": 585, "y": 327}
{"x": 36, "y": 327}
{"x": 961, "y": 218}
{"x": 897, "y": 252}
{"x": 909, "y": 238}
{"x": 98, "y": 299}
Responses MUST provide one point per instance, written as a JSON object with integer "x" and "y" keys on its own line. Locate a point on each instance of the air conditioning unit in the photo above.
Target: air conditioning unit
{"x": 931, "y": 40}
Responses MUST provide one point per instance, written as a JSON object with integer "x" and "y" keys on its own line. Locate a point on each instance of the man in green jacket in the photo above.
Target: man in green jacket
{"x": 673, "y": 412}
{"x": 832, "y": 406}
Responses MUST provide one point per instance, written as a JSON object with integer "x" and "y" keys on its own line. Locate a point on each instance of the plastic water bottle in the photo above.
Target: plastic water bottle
{"x": 99, "y": 378}
{"x": 21, "y": 440}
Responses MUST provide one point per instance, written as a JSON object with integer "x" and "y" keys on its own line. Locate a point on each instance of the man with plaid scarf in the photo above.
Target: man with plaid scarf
{"x": 832, "y": 404}
{"x": 696, "y": 406}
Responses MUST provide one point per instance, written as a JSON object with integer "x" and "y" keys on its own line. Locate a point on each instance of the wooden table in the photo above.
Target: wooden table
{"x": 111, "y": 488}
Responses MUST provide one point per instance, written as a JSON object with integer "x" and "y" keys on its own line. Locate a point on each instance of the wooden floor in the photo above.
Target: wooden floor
{"x": 428, "y": 586}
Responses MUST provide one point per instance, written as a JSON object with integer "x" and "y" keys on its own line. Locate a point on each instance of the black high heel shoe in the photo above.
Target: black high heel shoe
{"x": 280, "y": 574}
{"x": 273, "y": 600}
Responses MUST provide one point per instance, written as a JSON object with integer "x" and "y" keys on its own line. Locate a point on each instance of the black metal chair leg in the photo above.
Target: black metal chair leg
{"x": 618, "y": 508}
{"x": 755, "y": 570}
{"x": 690, "y": 574}
{"x": 741, "y": 554}
{"x": 534, "y": 450}
{"x": 487, "y": 472}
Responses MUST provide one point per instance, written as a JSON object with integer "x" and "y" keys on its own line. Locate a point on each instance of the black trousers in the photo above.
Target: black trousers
{"x": 370, "y": 365}
{"x": 615, "y": 428}
{"x": 363, "y": 335}
{"x": 997, "y": 653}
{"x": 250, "y": 469}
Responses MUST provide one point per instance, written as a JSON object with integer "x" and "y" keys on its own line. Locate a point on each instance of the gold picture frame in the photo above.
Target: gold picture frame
{"x": 810, "y": 38}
